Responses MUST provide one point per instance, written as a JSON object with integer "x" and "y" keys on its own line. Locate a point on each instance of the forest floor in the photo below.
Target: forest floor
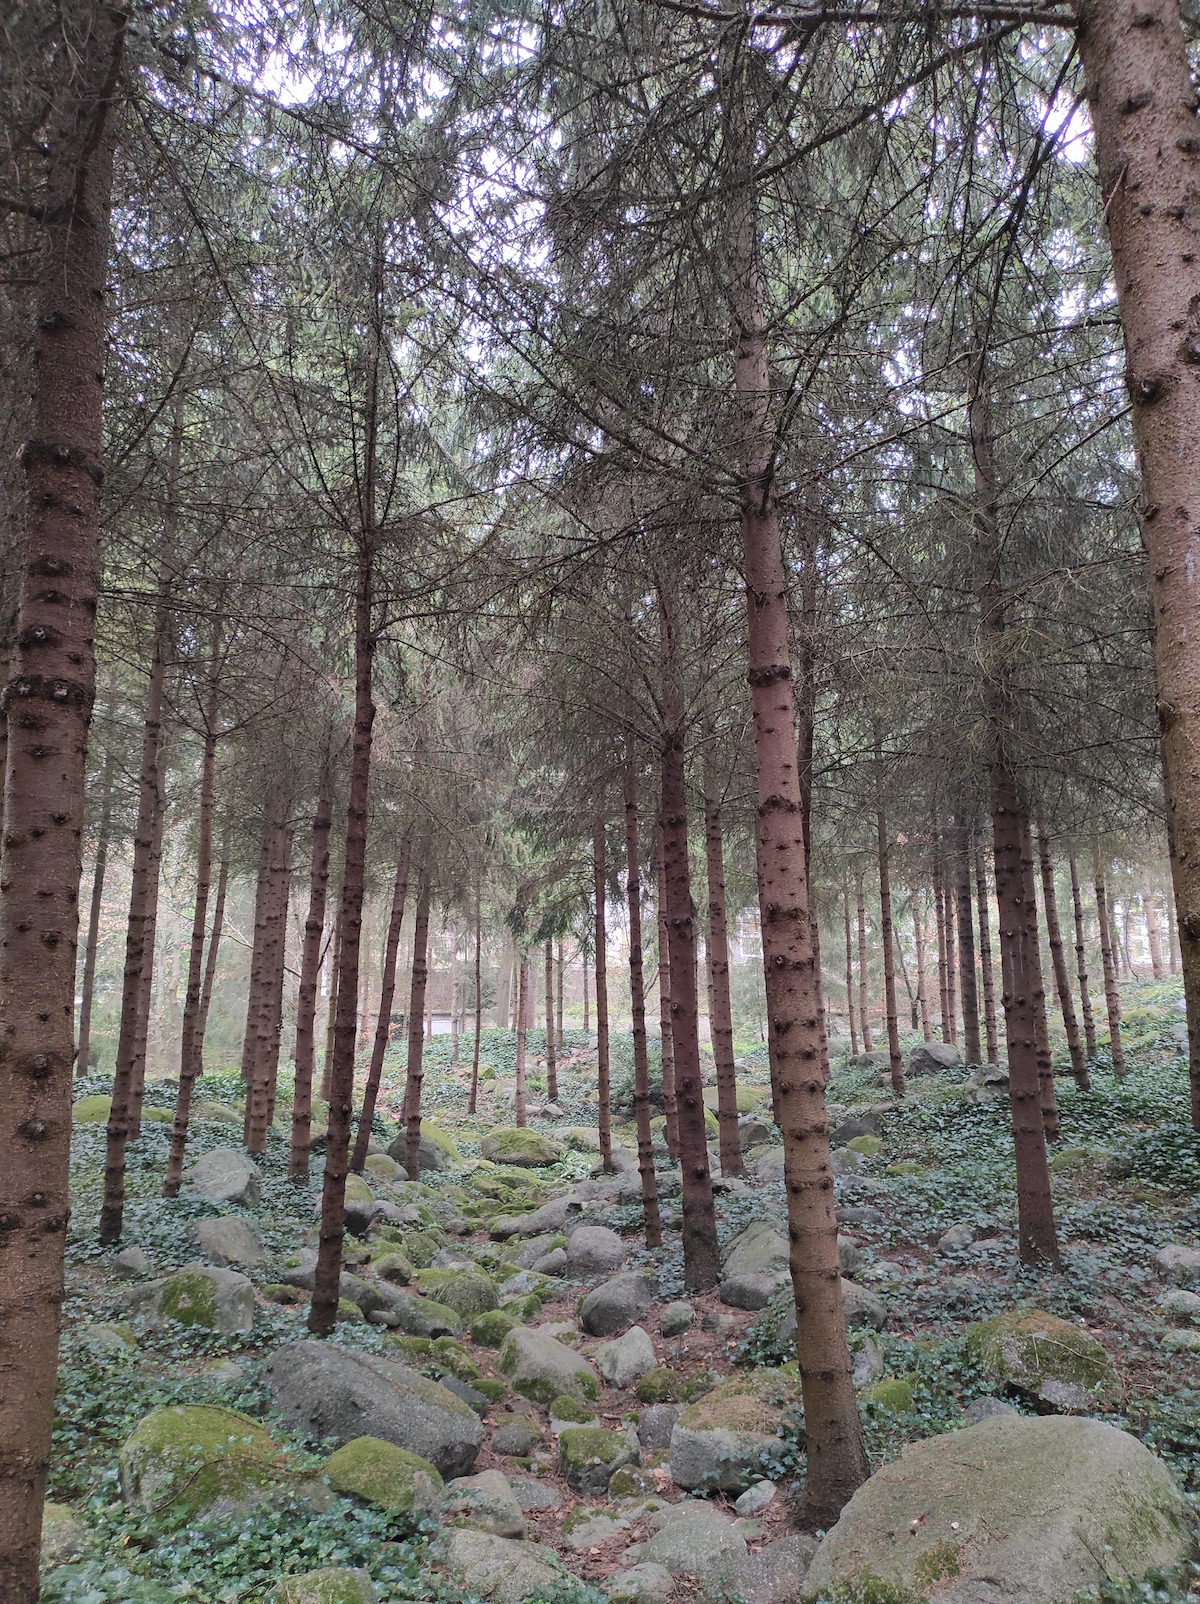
{"x": 1126, "y": 1183}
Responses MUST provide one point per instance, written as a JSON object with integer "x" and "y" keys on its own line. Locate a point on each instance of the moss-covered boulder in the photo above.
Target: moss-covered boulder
{"x": 660, "y": 1385}
{"x": 571, "y": 1412}
{"x": 337, "y": 1584}
{"x": 1046, "y": 1358}
{"x": 222, "y": 1300}
{"x": 905, "y": 1167}
{"x": 489, "y": 1330}
{"x": 469, "y": 1293}
{"x": 215, "y": 1113}
{"x": 189, "y": 1460}
{"x": 510, "y": 1145}
{"x": 382, "y": 1474}
{"x": 63, "y": 1538}
{"x": 92, "y": 1111}
{"x": 893, "y": 1395}
{"x": 444, "y": 1142}
{"x": 590, "y": 1455}
{"x": 866, "y": 1144}
{"x": 1050, "y": 1507}
{"x": 540, "y": 1368}
{"x": 395, "y": 1267}
{"x": 421, "y": 1246}
{"x": 357, "y": 1190}
{"x": 383, "y": 1167}
{"x": 716, "y": 1441}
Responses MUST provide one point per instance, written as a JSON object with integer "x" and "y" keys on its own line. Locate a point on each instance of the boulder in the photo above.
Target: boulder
{"x": 582, "y": 1138}
{"x": 111, "y": 1335}
{"x": 932, "y": 1057}
{"x": 594, "y": 1250}
{"x": 432, "y": 1153}
{"x": 772, "y": 1576}
{"x": 655, "y": 1425}
{"x": 222, "y": 1300}
{"x": 326, "y": 1391}
{"x": 502, "y": 1570}
{"x": 717, "y": 1440}
{"x": 423, "y": 1317}
{"x": 590, "y": 1455}
{"x": 676, "y": 1318}
{"x": 625, "y": 1358}
{"x": 384, "y": 1168}
{"x": 1179, "y": 1264}
{"x": 641, "y": 1584}
{"x": 752, "y": 1129}
{"x": 226, "y": 1175}
{"x": 586, "y": 1527}
{"x": 228, "y": 1240}
{"x": 63, "y": 1538}
{"x": 511, "y": 1145}
{"x": 956, "y": 1238}
{"x": 131, "y": 1264}
{"x": 553, "y": 1263}
{"x": 691, "y": 1539}
{"x": 485, "y": 1502}
{"x": 217, "y": 1113}
{"x": 542, "y": 1369}
{"x": 335, "y": 1584}
{"x": 382, "y": 1474}
{"x": 393, "y": 1267}
{"x": 1177, "y": 1304}
{"x": 615, "y": 1305}
{"x": 1050, "y": 1506}
{"x": 469, "y": 1293}
{"x": 537, "y": 1247}
{"x": 750, "y": 1291}
{"x": 513, "y": 1434}
{"x": 766, "y": 1164}
{"x": 858, "y": 1125}
{"x": 565, "y": 1412}
{"x": 533, "y": 1495}
{"x": 984, "y": 1407}
{"x": 185, "y": 1461}
{"x": 1046, "y": 1358}
{"x": 863, "y": 1308}
{"x": 489, "y": 1330}
{"x": 755, "y": 1266}
{"x": 92, "y": 1110}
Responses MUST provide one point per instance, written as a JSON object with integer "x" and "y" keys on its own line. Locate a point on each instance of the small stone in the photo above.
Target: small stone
{"x": 532, "y": 1495}
{"x": 716, "y": 1324}
{"x": 514, "y": 1435}
{"x": 983, "y": 1407}
{"x": 594, "y": 1250}
{"x": 129, "y": 1265}
{"x": 869, "y": 1363}
{"x": 485, "y": 1502}
{"x": 565, "y": 1412}
{"x": 756, "y": 1497}
{"x": 553, "y": 1263}
{"x": 63, "y": 1538}
{"x": 1178, "y": 1304}
{"x": 626, "y": 1358}
{"x": 863, "y": 1308}
{"x": 850, "y": 1255}
{"x": 647, "y": 1583}
{"x": 660, "y": 1385}
{"x": 956, "y": 1238}
{"x": 1179, "y": 1264}
{"x": 676, "y": 1318}
{"x": 586, "y": 1527}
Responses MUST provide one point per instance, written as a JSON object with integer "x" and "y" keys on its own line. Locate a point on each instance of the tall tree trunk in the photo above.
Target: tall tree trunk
{"x": 1142, "y": 103}
{"x": 500, "y": 1003}
{"x": 473, "y": 1101}
{"x": 523, "y": 1008}
{"x": 850, "y": 1015}
{"x": 895, "y": 1061}
{"x": 1112, "y": 996}
{"x": 985, "y": 957}
{"x": 140, "y": 904}
{"x": 263, "y": 1028}
{"x": 948, "y": 901}
{"x": 255, "y": 991}
{"x": 599, "y": 877}
{"x": 189, "y": 1055}
{"x": 1153, "y": 934}
{"x": 145, "y": 991}
{"x": 922, "y": 982}
{"x": 415, "y": 1076}
{"x": 837, "y": 1459}
{"x": 455, "y": 998}
{"x": 972, "y": 1050}
{"x": 1058, "y": 958}
{"x": 335, "y": 966}
{"x": 670, "y": 1102}
{"x": 88, "y": 988}
{"x": 939, "y": 905}
{"x": 560, "y": 1040}
{"x": 551, "y": 1061}
{"x": 637, "y": 1002}
{"x": 864, "y": 1012}
{"x": 701, "y": 1257}
{"x": 310, "y": 970}
{"x": 387, "y": 992}
{"x": 48, "y": 704}
{"x": 720, "y": 1008}
{"x": 586, "y": 1021}
{"x": 214, "y": 948}
{"x": 1085, "y": 999}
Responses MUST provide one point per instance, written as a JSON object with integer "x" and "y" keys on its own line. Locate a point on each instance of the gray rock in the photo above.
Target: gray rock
{"x": 863, "y": 1308}
{"x": 771, "y": 1576}
{"x": 626, "y": 1358}
{"x": 956, "y": 1238}
{"x": 534, "y": 1249}
{"x": 586, "y": 1527}
{"x": 752, "y": 1129}
{"x": 502, "y": 1570}
{"x": 542, "y": 1369}
{"x": 469, "y": 1293}
{"x": 766, "y": 1164}
{"x": 869, "y": 1362}
{"x": 1179, "y": 1305}
{"x": 478, "y": 1401}
{"x": 516, "y": 1436}
{"x": 617, "y": 1304}
{"x": 422, "y": 1317}
{"x": 131, "y": 1263}
{"x": 432, "y": 1157}
{"x": 591, "y": 1454}
{"x": 844, "y": 1161}
{"x": 594, "y": 1250}
{"x": 1179, "y": 1264}
{"x": 197, "y": 1295}
{"x": 226, "y": 1176}
{"x": 760, "y": 1249}
{"x": 553, "y": 1263}
{"x": 691, "y": 1540}
{"x": 655, "y": 1425}
{"x": 338, "y": 1582}
{"x": 850, "y": 1255}
{"x": 676, "y": 1318}
{"x": 716, "y": 1324}
{"x": 531, "y": 1495}
{"x": 984, "y": 1407}
{"x": 641, "y": 1584}
{"x": 63, "y": 1538}
{"x": 228, "y": 1240}
{"x": 717, "y": 1439}
{"x": 486, "y": 1502}
{"x": 756, "y": 1497}
{"x": 1051, "y": 1506}
{"x": 750, "y": 1291}
{"x": 857, "y": 1214}
{"x": 553, "y": 1217}
{"x": 524, "y": 1281}
{"x": 623, "y": 1163}
{"x": 326, "y": 1391}
{"x": 860, "y": 1125}
{"x": 931, "y": 1057}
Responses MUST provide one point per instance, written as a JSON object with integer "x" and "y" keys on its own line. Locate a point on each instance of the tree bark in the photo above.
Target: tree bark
{"x": 387, "y": 992}
{"x": 335, "y": 965}
{"x": 922, "y": 982}
{"x": 416, "y": 1028}
{"x": 851, "y": 1019}
{"x": 985, "y": 957}
{"x": 637, "y": 1000}
{"x": 145, "y": 991}
{"x": 1085, "y": 999}
{"x": 939, "y": 905}
{"x": 88, "y": 988}
{"x": 310, "y": 970}
{"x": 503, "y": 983}
{"x": 1143, "y": 108}
{"x": 599, "y": 876}
{"x": 258, "y": 955}
{"x": 895, "y": 1060}
{"x": 720, "y": 1009}
{"x": 670, "y": 1102}
{"x": 48, "y": 702}
{"x": 523, "y": 1008}
{"x": 473, "y": 1100}
{"x": 1153, "y": 935}
{"x": 864, "y": 1014}
{"x": 140, "y": 904}
{"x": 559, "y": 964}
{"x": 948, "y": 900}
{"x": 1058, "y": 958}
{"x": 586, "y": 1021}
{"x": 972, "y": 1050}
{"x": 551, "y": 1060}
{"x": 1041, "y": 1016}
{"x": 267, "y": 1023}
{"x": 1112, "y": 996}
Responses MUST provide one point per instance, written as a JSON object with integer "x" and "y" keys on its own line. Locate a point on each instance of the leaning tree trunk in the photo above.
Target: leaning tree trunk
{"x": 670, "y": 1104}
{"x": 599, "y": 876}
{"x": 1085, "y": 997}
{"x": 1143, "y": 107}
{"x": 701, "y": 1256}
{"x": 972, "y": 1051}
{"x": 1058, "y": 958}
{"x": 985, "y": 958}
{"x": 851, "y": 1019}
{"x": 47, "y": 702}
{"x": 837, "y": 1458}
{"x": 720, "y": 1008}
{"x": 416, "y": 1028}
{"x": 387, "y": 991}
{"x": 88, "y": 988}
{"x": 637, "y": 1000}
{"x": 922, "y": 982}
{"x": 310, "y": 971}
{"x": 1112, "y": 996}
{"x": 895, "y": 1061}
{"x": 864, "y": 1016}
{"x": 140, "y": 904}
{"x": 551, "y": 1060}
{"x": 523, "y": 1009}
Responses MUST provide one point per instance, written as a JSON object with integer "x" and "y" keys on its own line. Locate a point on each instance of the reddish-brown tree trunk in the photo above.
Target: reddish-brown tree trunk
{"x": 599, "y": 877}
{"x": 455, "y": 997}
{"x": 939, "y": 904}
{"x": 864, "y": 1012}
{"x": 523, "y": 1008}
{"x": 670, "y": 1103}
{"x": 637, "y": 999}
{"x": 972, "y": 1050}
{"x": 720, "y": 1008}
{"x": 586, "y": 995}
{"x": 214, "y": 948}
{"x": 895, "y": 1061}
{"x": 137, "y": 1080}
{"x": 335, "y": 966}
{"x": 922, "y": 982}
{"x": 140, "y": 908}
{"x": 851, "y": 1018}
{"x": 1112, "y": 996}
{"x": 267, "y": 1023}
{"x": 1085, "y": 998}
{"x": 310, "y": 971}
{"x": 88, "y": 987}
{"x": 985, "y": 957}
{"x": 387, "y": 991}
{"x": 415, "y": 1076}
{"x": 473, "y": 1101}
{"x": 255, "y": 991}
{"x": 559, "y": 965}
{"x": 951, "y": 960}
{"x": 551, "y": 1060}
{"x": 1058, "y": 958}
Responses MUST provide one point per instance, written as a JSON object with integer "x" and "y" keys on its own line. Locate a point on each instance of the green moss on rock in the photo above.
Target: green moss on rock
{"x": 892, "y": 1394}
{"x": 867, "y": 1145}
{"x": 1047, "y": 1358}
{"x": 92, "y": 1111}
{"x": 357, "y": 1190}
{"x": 564, "y": 1408}
{"x": 420, "y": 1246}
{"x": 754, "y": 1402}
{"x": 510, "y": 1145}
{"x": 189, "y": 1297}
{"x": 469, "y": 1293}
{"x": 489, "y": 1330}
{"x": 335, "y": 1585}
{"x": 379, "y": 1473}
{"x": 660, "y": 1385}
{"x": 181, "y": 1461}
{"x": 905, "y": 1167}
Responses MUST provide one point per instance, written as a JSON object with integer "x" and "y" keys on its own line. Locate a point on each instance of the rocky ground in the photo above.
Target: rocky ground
{"x": 520, "y": 1402}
